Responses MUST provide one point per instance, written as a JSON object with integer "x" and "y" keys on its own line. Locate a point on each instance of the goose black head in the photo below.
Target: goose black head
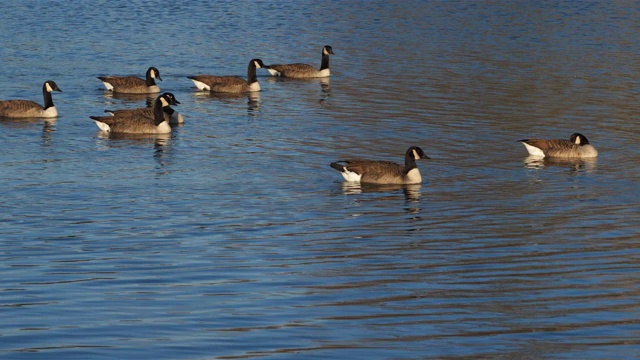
{"x": 326, "y": 50}
{"x": 51, "y": 85}
{"x": 170, "y": 98}
{"x": 257, "y": 63}
{"x": 416, "y": 153}
{"x": 154, "y": 73}
{"x": 579, "y": 139}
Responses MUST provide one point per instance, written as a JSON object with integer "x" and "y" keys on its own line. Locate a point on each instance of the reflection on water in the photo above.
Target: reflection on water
{"x": 324, "y": 84}
{"x": 48, "y": 126}
{"x": 326, "y": 89}
{"x": 121, "y": 139}
{"x": 411, "y": 193}
{"x": 148, "y": 99}
{"x": 26, "y": 122}
{"x": 577, "y": 165}
{"x": 253, "y": 98}
{"x": 47, "y": 131}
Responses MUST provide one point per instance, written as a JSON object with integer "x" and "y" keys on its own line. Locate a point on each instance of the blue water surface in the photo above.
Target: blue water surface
{"x": 232, "y": 238}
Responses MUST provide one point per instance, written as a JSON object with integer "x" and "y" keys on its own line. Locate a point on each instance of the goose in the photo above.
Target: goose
{"x": 31, "y": 109}
{"x": 137, "y": 123}
{"x": 132, "y": 84}
{"x": 303, "y": 70}
{"x": 169, "y": 113}
{"x": 230, "y": 84}
{"x": 383, "y": 172}
{"x": 576, "y": 147}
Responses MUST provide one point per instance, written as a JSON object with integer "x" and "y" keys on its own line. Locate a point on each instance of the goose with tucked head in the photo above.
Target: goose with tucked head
{"x": 230, "y": 84}
{"x": 383, "y": 172}
{"x": 31, "y": 109}
{"x": 303, "y": 71}
{"x": 132, "y": 84}
{"x": 576, "y": 147}
{"x": 136, "y": 123}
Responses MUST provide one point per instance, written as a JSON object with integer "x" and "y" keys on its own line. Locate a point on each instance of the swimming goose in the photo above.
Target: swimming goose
{"x": 383, "y": 172}
{"x": 303, "y": 70}
{"x": 170, "y": 114}
{"x": 31, "y": 109}
{"x": 576, "y": 147}
{"x": 137, "y": 123}
{"x": 132, "y": 84}
{"x": 230, "y": 84}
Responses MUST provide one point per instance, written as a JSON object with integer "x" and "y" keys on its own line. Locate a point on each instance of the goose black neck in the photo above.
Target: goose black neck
{"x": 325, "y": 61}
{"x": 48, "y": 99}
{"x": 409, "y": 162}
{"x": 158, "y": 114}
{"x": 251, "y": 73}
{"x": 150, "y": 81}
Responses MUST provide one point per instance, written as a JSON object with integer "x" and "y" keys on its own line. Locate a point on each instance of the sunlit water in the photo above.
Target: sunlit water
{"x": 233, "y": 238}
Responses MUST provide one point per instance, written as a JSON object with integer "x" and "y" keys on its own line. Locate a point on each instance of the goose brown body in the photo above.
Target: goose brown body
{"x": 301, "y": 71}
{"x": 230, "y": 84}
{"x": 170, "y": 115}
{"x": 132, "y": 84}
{"x": 577, "y": 146}
{"x": 382, "y": 172}
{"x": 30, "y": 109}
{"x": 138, "y": 123}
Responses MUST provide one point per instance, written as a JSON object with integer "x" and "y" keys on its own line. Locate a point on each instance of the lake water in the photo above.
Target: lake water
{"x": 232, "y": 238}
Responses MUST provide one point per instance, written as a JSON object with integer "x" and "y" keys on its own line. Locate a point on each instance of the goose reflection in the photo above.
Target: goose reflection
{"x": 326, "y": 89}
{"x": 576, "y": 165}
{"x": 253, "y": 98}
{"x": 412, "y": 193}
{"x": 324, "y": 84}
{"x": 26, "y": 122}
{"x": 124, "y": 139}
{"x": 47, "y": 129}
{"x": 131, "y": 98}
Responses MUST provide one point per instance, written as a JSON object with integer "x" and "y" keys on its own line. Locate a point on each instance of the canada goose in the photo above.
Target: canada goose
{"x": 31, "y": 109}
{"x": 170, "y": 114}
{"x": 576, "y": 147}
{"x": 230, "y": 84}
{"x": 303, "y": 70}
{"x": 138, "y": 123}
{"x": 132, "y": 84}
{"x": 383, "y": 172}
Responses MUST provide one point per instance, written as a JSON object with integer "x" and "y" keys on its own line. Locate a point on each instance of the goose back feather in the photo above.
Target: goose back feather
{"x": 170, "y": 115}
{"x": 577, "y": 146}
{"x": 132, "y": 84}
{"x": 138, "y": 122}
{"x": 230, "y": 84}
{"x": 301, "y": 71}
{"x": 383, "y": 172}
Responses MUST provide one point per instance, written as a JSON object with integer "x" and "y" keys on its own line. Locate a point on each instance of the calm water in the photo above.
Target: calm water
{"x": 234, "y": 239}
